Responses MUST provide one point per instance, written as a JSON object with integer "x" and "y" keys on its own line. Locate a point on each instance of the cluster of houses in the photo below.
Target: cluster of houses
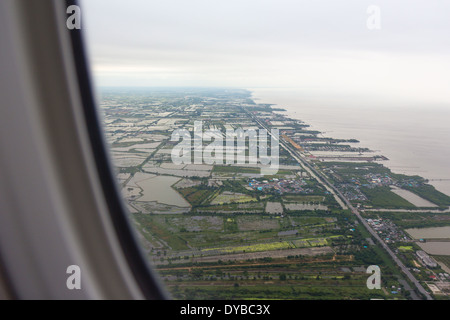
{"x": 280, "y": 186}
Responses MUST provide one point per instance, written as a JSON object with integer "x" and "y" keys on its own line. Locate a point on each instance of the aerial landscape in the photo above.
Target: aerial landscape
{"x": 308, "y": 230}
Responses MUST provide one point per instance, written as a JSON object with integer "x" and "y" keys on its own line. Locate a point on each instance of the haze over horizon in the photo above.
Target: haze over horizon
{"x": 322, "y": 48}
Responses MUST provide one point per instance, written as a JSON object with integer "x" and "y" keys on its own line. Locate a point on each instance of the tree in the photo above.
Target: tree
{"x": 197, "y": 273}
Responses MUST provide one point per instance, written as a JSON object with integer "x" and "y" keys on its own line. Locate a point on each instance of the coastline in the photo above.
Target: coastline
{"x": 402, "y": 135}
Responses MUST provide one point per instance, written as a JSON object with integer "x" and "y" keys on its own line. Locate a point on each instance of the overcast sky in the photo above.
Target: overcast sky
{"x": 315, "y": 45}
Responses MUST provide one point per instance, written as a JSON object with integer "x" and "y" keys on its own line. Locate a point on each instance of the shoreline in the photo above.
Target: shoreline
{"x": 394, "y": 163}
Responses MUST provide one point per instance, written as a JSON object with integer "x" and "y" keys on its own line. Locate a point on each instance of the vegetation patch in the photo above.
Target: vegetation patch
{"x": 253, "y": 248}
{"x": 383, "y": 197}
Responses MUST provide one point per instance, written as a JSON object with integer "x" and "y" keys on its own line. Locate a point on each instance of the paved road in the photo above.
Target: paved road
{"x": 303, "y": 163}
{"x": 320, "y": 177}
{"x": 393, "y": 255}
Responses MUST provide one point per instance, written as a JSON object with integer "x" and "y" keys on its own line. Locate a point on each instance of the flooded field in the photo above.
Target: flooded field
{"x": 342, "y": 153}
{"x": 159, "y": 189}
{"x": 413, "y": 198}
{"x": 128, "y": 161}
{"x": 186, "y": 183}
{"x": 436, "y": 248}
{"x": 274, "y": 207}
{"x": 430, "y": 233}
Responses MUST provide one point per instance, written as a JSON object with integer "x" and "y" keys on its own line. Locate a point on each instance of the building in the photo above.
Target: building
{"x": 427, "y": 260}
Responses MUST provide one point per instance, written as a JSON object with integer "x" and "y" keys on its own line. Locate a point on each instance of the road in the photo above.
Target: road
{"x": 394, "y": 257}
{"x": 338, "y": 195}
{"x": 303, "y": 163}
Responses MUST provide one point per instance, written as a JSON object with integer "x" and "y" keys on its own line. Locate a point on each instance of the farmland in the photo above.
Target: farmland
{"x": 225, "y": 231}
{"x": 445, "y": 260}
{"x": 256, "y": 252}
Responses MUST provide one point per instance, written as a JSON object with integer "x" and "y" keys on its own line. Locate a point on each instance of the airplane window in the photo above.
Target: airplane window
{"x": 280, "y": 149}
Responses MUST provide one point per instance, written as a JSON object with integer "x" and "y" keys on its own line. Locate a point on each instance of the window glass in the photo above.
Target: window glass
{"x": 281, "y": 149}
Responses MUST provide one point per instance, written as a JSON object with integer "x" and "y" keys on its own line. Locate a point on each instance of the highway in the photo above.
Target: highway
{"x": 303, "y": 163}
{"x": 347, "y": 204}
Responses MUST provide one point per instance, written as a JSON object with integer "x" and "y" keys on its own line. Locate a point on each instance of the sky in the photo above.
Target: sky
{"x": 317, "y": 46}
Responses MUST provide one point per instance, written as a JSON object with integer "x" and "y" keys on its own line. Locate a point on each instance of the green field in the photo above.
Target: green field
{"x": 195, "y": 195}
{"x": 444, "y": 259}
{"x": 252, "y": 248}
{"x": 383, "y": 197}
{"x": 303, "y": 199}
{"x": 429, "y": 193}
{"x": 406, "y": 248}
{"x": 287, "y": 290}
{"x": 230, "y": 197}
{"x": 152, "y": 226}
{"x": 418, "y": 220}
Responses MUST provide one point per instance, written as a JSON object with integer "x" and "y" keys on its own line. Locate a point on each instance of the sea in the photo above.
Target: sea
{"x": 415, "y": 137}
